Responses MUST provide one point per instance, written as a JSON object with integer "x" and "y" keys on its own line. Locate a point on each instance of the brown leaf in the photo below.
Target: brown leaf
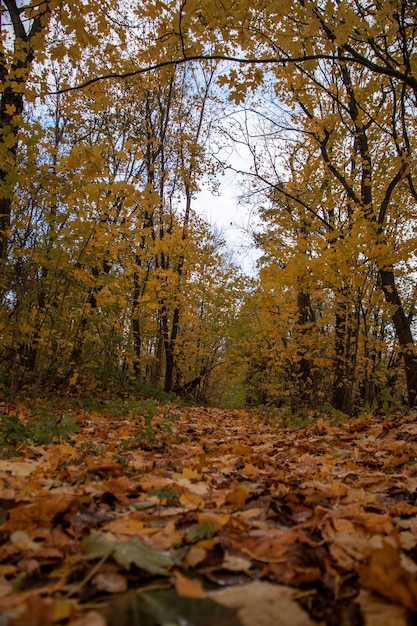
{"x": 378, "y": 612}
{"x": 110, "y": 582}
{"x": 118, "y": 487}
{"x": 30, "y": 566}
{"x": 36, "y": 611}
{"x": 41, "y": 513}
{"x": 263, "y": 604}
{"x": 385, "y": 575}
{"x": 92, "y": 618}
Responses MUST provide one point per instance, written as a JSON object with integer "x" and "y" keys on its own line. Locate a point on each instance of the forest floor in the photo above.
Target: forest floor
{"x": 197, "y": 516}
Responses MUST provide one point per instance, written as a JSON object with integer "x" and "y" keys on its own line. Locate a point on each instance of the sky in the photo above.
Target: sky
{"x": 234, "y": 219}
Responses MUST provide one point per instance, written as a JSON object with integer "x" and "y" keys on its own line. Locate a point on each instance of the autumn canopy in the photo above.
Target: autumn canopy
{"x": 114, "y": 115}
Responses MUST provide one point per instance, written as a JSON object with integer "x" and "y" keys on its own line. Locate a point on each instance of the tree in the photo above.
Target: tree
{"x": 356, "y": 118}
{"x": 99, "y": 257}
{"x": 105, "y": 243}
{"x": 26, "y": 42}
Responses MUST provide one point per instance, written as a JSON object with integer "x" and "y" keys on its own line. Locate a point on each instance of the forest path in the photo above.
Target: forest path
{"x": 197, "y": 515}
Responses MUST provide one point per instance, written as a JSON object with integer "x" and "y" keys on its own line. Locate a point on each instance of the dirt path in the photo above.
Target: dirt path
{"x": 202, "y": 516}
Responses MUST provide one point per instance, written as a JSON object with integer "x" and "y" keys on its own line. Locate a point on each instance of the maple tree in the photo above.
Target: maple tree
{"x": 108, "y": 253}
{"x": 334, "y": 65}
{"x": 27, "y": 39}
{"x": 318, "y": 247}
{"x": 105, "y": 245}
{"x": 347, "y": 183}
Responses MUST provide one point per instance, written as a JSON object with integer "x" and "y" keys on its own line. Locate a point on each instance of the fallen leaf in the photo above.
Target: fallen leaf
{"x": 63, "y": 609}
{"x": 194, "y": 556}
{"x": 378, "y": 612}
{"x": 264, "y": 604}
{"x": 190, "y": 474}
{"x": 192, "y": 501}
{"x": 110, "y": 582}
{"x": 18, "y": 468}
{"x": 187, "y": 587}
{"x": 236, "y": 563}
{"x": 36, "y": 611}
{"x": 92, "y": 618}
{"x": 218, "y": 520}
{"x": 41, "y": 512}
{"x": 241, "y": 448}
{"x": 133, "y": 551}
{"x": 125, "y": 526}
{"x": 238, "y": 496}
{"x": 385, "y": 575}
{"x": 5, "y": 588}
{"x": 23, "y": 542}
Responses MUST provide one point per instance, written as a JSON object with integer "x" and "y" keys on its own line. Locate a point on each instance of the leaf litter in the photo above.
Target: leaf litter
{"x": 224, "y": 516}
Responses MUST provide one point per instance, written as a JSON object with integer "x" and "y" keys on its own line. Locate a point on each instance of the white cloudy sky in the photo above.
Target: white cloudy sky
{"x": 234, "y": 219}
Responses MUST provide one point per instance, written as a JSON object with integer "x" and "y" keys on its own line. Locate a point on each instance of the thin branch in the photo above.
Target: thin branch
{"x": 355, "y": 58}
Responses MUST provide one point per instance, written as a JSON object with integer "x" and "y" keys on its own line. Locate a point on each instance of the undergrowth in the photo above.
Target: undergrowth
{"x": 42, "y": 428}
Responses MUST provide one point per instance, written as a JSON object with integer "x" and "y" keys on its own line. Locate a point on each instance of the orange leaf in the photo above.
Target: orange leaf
{"x": 385, "y": 575}
{"x": 195, "y": 555}
{"x": 250, "y": 471}
{"x": 10, "y": 109}
{"x": 241, "y": 448}
{"x": 40, "y": 513}
{"x": 187, "y": 587}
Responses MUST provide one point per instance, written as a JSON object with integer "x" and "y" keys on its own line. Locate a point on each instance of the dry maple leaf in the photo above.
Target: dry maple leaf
{"x": 385, "y": 574}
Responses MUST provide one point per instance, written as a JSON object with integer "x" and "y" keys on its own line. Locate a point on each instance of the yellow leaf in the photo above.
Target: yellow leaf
{"x": 125, "y": 526}
{"x": 63, "y": 609}
{"x": 206, "y": 544}
{"x": 74, "y": 379}
{"x": 238, "y": 496}
{"x": 192, "y": 501}
{"x": 213, "y": 519}
{"x": 190, "y": 474}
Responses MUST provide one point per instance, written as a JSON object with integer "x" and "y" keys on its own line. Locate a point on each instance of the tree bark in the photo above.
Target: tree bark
{"x": 304, "y": 373}
{"x": 12, "y": 82}
{"x": 403, "y": 330}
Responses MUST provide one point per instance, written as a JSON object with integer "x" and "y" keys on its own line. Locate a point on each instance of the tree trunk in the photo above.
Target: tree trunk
{"x": 304, "y": 374}
{"x": 340, "y": 399}
{"x": 136, "y": 326}
{"x": 169, "y": 350}
{"x": 9, "y": 102}
{"x": 12, "y": 82}
{"x": 403, "y": 330}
